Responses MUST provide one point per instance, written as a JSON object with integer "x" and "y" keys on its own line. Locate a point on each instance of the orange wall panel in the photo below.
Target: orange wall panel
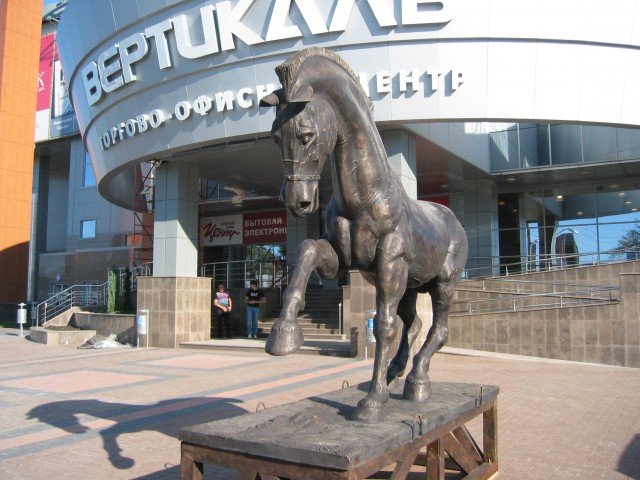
{"x": 20, "y": 31}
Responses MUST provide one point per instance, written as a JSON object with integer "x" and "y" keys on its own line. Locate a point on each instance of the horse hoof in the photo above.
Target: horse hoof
{"x": 393, "y": 373}
{"x": 367, "y": 414}
{"x": 284, "y": 339}
{"x": 417, "y": 391}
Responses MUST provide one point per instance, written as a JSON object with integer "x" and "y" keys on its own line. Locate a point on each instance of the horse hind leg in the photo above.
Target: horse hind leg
{"x": 286, "y": 334}
{"x": 417, "y": 387}
{"x": 410, "y": 329}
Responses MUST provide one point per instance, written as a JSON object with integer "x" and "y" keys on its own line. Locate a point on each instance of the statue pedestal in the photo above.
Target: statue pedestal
{"x": 314, "y": 439}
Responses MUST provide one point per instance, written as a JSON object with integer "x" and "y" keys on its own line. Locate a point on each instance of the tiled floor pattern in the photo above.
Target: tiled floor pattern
{"x": 111, "y": 415}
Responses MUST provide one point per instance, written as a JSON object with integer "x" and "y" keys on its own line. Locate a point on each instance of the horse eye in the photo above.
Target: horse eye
{"x": 306, "y": 140}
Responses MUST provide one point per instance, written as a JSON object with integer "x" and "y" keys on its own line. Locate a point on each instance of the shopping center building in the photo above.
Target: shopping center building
{"x": 520, "y": 116}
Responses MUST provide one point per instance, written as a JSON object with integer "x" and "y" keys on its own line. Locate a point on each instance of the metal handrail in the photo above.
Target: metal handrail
{"x": 494, "y": 284}
{"x": 565, "y": 298}
{"x": 74, "y": 296}
{"x": 238, "y": 273}
{"x": 541, "y": 263}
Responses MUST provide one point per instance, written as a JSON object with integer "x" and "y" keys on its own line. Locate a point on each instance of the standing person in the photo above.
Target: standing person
{"x": 222, "y": 304}
{"x": 254, "y": 298}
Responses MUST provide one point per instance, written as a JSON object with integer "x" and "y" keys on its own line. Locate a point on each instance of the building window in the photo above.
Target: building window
{"x": 89, "y": 178}
{"x": 88, "y": 229}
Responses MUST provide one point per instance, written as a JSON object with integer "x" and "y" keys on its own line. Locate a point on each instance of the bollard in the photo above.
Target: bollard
{"x": 369, "y": 337}
{"x": 142, "y": 320}
{"x": 21, "y": 316}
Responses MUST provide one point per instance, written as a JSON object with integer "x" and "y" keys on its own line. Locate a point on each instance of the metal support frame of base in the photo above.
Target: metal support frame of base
{"x": 449, "y": 446}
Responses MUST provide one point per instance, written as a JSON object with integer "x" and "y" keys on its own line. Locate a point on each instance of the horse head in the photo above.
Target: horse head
{"x": 304, "y": 131}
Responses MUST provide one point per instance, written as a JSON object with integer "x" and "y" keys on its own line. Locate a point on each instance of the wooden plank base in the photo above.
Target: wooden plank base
{"x": 446, "y": 448}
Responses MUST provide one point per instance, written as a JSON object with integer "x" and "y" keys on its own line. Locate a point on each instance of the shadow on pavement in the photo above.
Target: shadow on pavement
{"x": 167, "y": 417}
{"x": 172, "y": 472}
{"x": 629, "y": 462}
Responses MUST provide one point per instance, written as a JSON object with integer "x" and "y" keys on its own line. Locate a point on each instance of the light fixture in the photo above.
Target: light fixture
{"x": 515, "y": 210}
{"x": 621, "y": 194}
{"x": 628, "y": 202}
{"x": 579, "y": 213}
{"x": 585, "y": 172}
{"x": 511, "y": 179}
{"x": 615, "y": 185}
{"x": 559, "y": 198}
{"x": 634, "y": 209}
{"x": 502, "y": 203}
{"x": 444, "y": 186}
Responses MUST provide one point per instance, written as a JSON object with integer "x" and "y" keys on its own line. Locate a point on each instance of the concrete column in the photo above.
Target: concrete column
{"x": 175, "y": 231}
{"x": 480, "y": 221}
{"x": 401, "y": 151}
{"x": 299, "y": 229}
{"x": 39, "y": 209}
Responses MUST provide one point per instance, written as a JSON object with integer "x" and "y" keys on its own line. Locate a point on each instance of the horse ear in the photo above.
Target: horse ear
{"x": 270, "y": 100}
{"x": 303, "y": 95}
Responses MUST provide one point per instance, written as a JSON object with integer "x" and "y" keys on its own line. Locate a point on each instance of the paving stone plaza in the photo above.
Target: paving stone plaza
{"x": 112, "y": 414}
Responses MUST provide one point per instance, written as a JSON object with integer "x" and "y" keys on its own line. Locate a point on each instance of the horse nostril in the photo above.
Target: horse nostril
{"x": 304, "y": 205}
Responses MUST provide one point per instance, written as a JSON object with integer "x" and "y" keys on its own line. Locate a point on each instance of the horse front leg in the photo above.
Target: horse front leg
{"x": 391, "y": 283}
{"x": 286, "y": 334}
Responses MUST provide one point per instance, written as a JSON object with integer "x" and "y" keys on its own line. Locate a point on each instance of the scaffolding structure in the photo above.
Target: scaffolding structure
{"x": 141, "y": 240}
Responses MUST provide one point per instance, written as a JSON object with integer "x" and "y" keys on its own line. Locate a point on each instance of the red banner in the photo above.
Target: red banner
{"x": 265, "y": 227}
{"x": 45, "y": 76}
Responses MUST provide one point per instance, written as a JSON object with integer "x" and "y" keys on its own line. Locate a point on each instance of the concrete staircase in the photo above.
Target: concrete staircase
{"x": 319, "y": 319}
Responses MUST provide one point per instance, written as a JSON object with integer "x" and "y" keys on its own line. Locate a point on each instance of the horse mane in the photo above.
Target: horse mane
{"x": 289, "y": 69}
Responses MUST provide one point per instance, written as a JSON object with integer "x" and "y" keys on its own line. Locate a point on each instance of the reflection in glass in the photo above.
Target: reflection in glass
{"x": 504, "y": 149}
{"x": 565, "y": 144}
{"x": 598, "y": 144}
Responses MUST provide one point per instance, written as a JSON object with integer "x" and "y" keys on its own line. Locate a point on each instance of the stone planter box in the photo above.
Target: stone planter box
{"x": 70, "y": 338}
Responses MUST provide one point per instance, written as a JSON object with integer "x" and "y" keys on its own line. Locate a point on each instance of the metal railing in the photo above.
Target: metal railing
{"x": 85, "y": 296}
{"x": 532, "y": 301}
{"x": 521, "y": 286}
{"x": 238, "y": 274}
{"x": 142, "y": 270}
{"x": 495, "y": 266}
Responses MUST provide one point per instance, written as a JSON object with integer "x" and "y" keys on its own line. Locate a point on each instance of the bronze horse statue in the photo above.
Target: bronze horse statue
{"x": 401, "y": 246}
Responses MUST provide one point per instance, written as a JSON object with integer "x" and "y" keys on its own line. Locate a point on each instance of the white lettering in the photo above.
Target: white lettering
{"x": 264, "y": 90}
{"x": 230, "y": 24}
{"x": 105, "y": 140}
{"x": 183, "y": 38}
{"x": 108, "y": 69}
{"x": 242, "y": 98}
{"x": 131, "y": 127}
{"x": 156, "y": 118}
{"x": 383, "y": 82}
{"x": 278, "y": 28}
{"x": 412, "y": 78}
{"x": 434, "y": 77}
{"x": 128, "y": 57}
{"x": 382, "y": 10}
{"x": 409, "y": 80}
{"x": 183, "y": 110}
{"x": 158, "y": 32}
{"x": 202, "y": 105}
{"x": 221, "y": 23}
{"x": 457, "y": 79}
{"x": 416, "y": 12}
{"x": 143, "y": 122}
{"x": 91, "y": 80}
{"x": 224, "y": 101}
{"x": 364, "y": 83}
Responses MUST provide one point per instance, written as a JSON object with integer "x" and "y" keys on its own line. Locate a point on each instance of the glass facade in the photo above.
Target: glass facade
{"x": 572, "y": 225}
{"x": 532, "y": 145}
